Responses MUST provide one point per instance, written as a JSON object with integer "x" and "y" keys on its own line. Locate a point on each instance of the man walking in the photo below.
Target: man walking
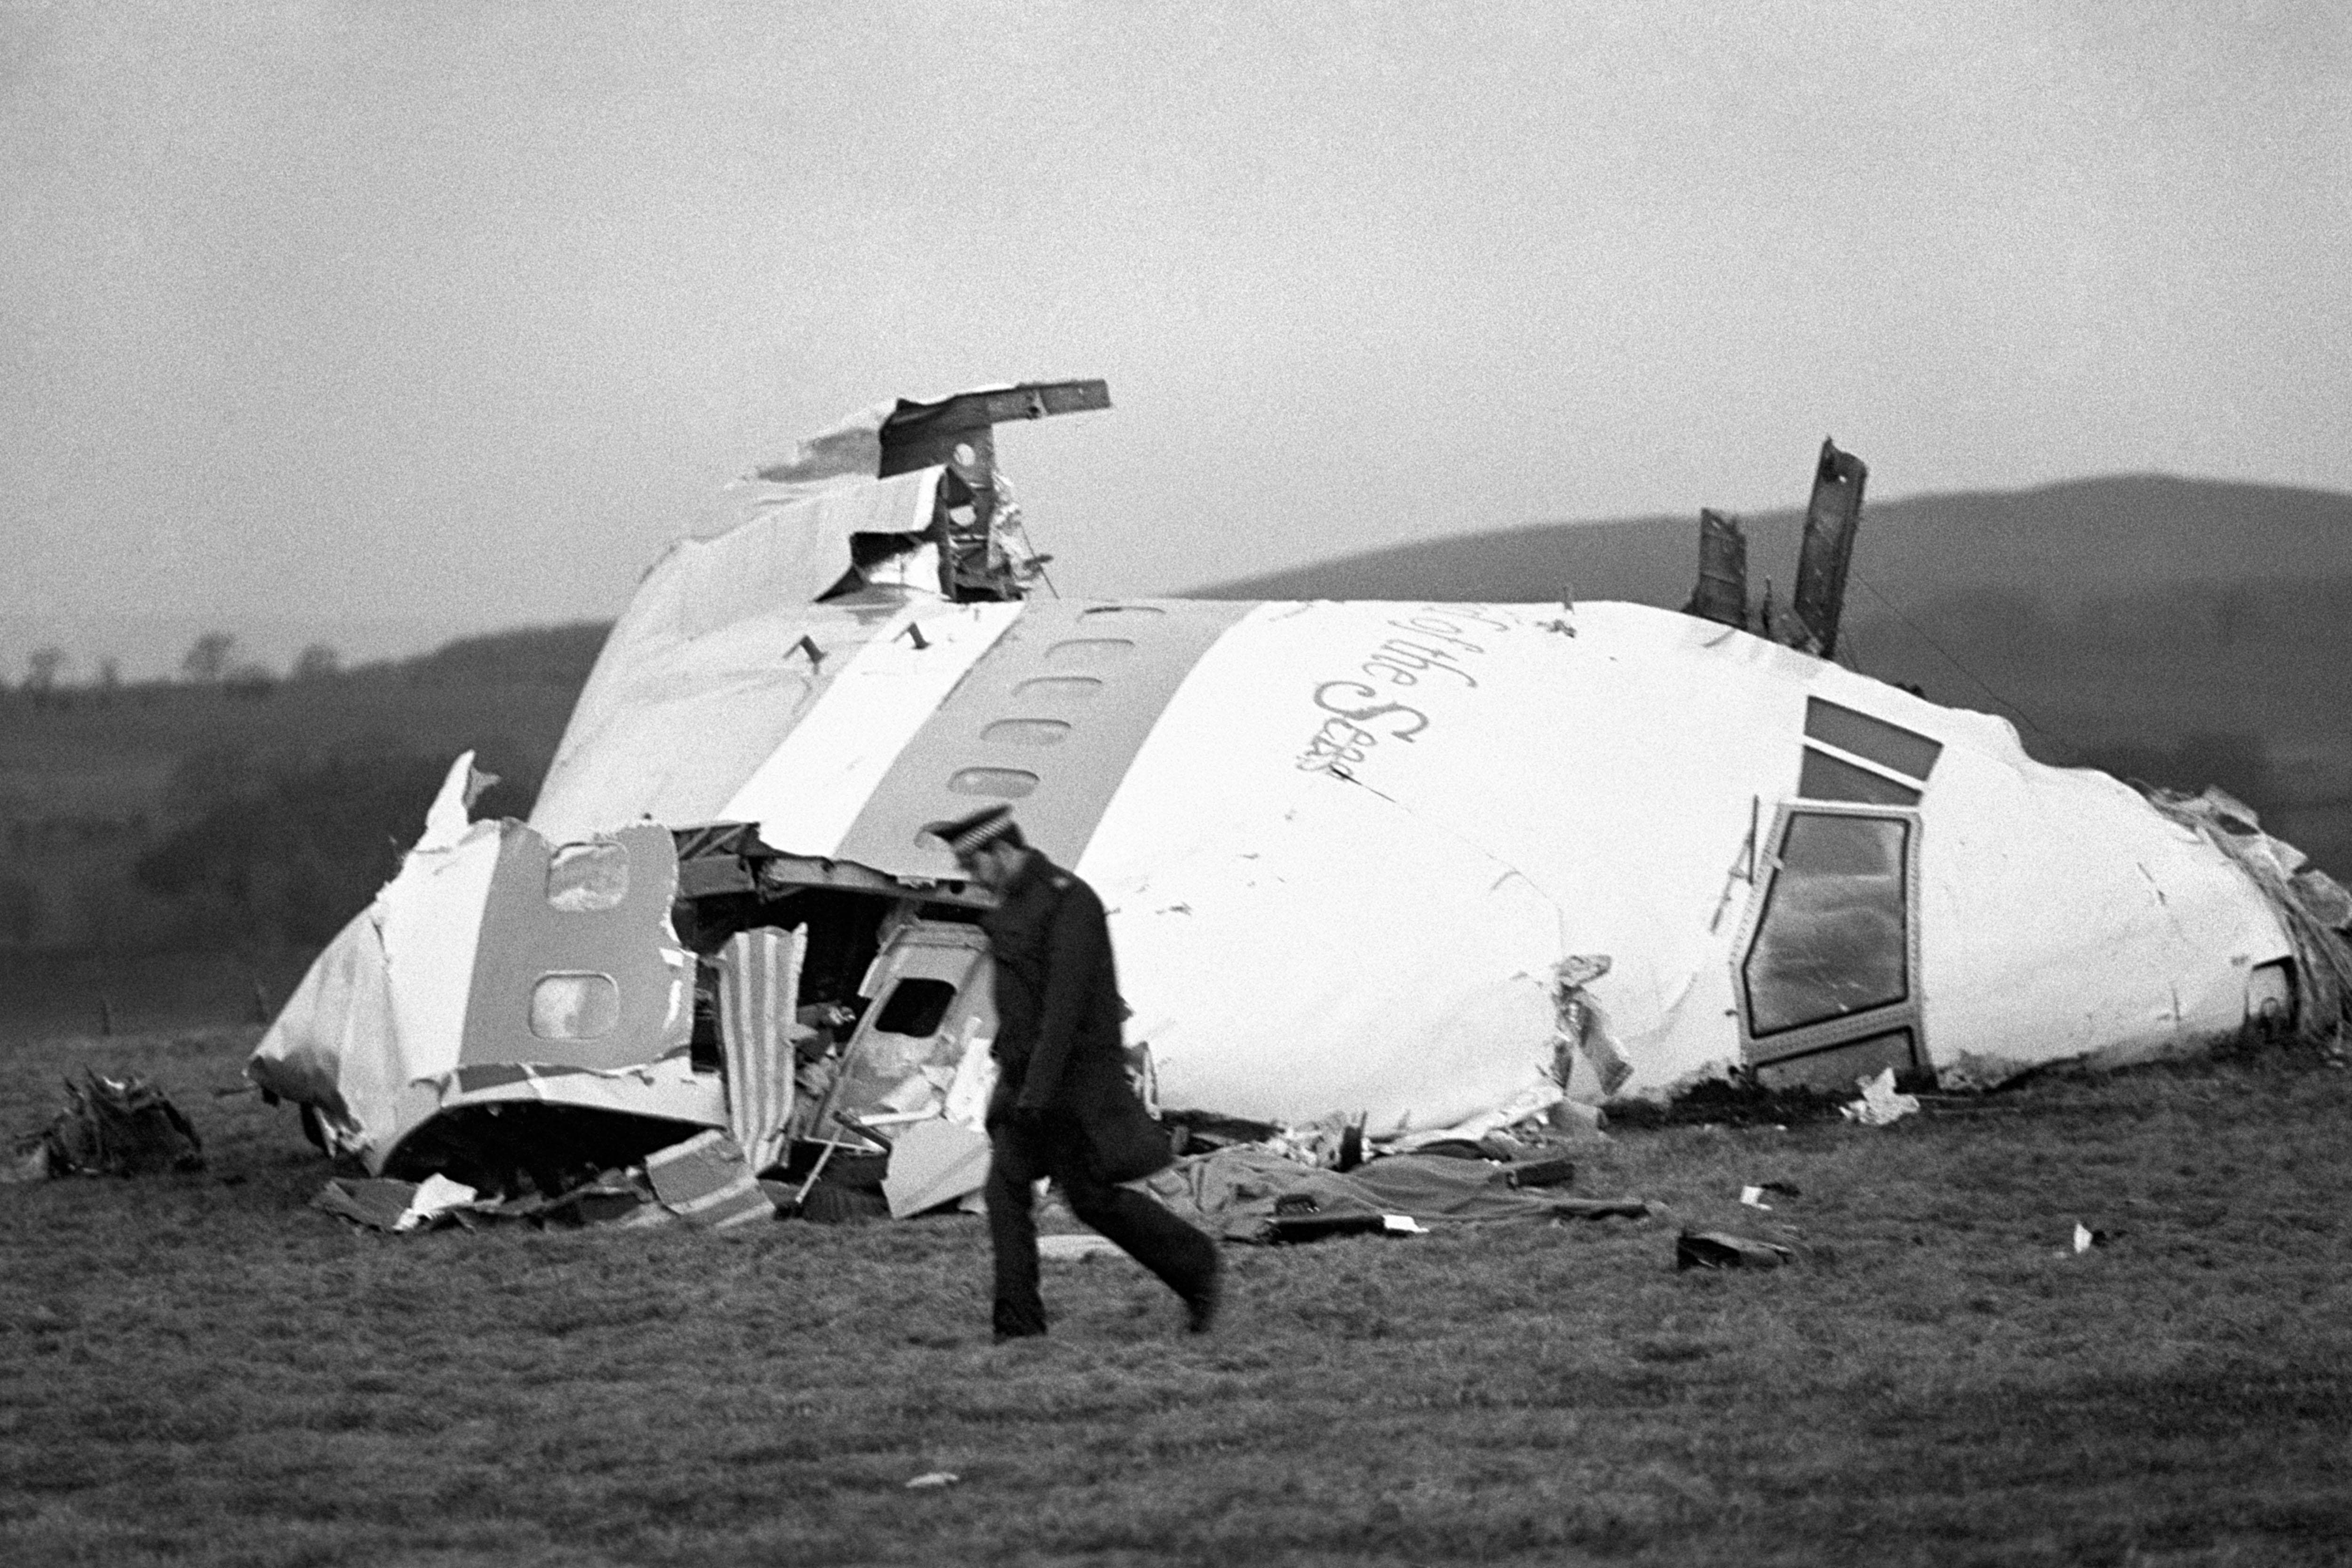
{"x": 1063, "y": 1107}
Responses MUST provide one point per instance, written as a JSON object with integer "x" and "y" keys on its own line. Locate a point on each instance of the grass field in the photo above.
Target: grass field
{"x": 202, "y": 1370}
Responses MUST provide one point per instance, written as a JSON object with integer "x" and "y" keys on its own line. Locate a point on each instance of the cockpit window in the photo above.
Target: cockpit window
{"x": 1827, "y": 969}
{"x": 1830, "y": 942}
{"x": 1853, "y": 756}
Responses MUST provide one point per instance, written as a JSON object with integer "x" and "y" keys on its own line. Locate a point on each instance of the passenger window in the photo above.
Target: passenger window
{"x": 570, "y": 1005}
{"x": 584, "y": 878}
{"x": 1833, "y": 939}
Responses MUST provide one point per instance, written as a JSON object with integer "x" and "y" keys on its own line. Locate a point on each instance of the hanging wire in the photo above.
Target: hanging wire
{"x": 1010, "y": 518}
{"x": 1020, "y": 522}
{"x": 2067, "y": 746}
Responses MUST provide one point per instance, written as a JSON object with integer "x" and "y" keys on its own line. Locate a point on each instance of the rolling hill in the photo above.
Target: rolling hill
{"x": 2060, "y": 544}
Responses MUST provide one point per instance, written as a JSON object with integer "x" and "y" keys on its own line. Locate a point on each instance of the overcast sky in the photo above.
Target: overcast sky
{"x": 448, "y": 315}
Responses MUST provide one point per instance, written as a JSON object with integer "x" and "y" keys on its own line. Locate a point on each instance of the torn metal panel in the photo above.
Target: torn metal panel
{"x": 707, "y": 1182}
{"x": 577, "y": 965}
{"x": 1582, "y": 1030}
{"x": 934, "y": 1163}
{"x": 670, "y": 1090}
{"x": 1722, "y": 592}
{"x": 691, "y": 692}
{"x": 982, "y": 555}
{"x": 1831, "y": 515}
{"x": 2315, "y": 909}
{"x": 930, "y": 1000}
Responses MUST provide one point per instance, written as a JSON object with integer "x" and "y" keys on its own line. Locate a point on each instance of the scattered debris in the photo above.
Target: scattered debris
{"x": 707, "y": 1182}
{"x": 1578, "y": 1027}
{"x": 436, "y": 1196}
{"x": 2085, "y": 1237}
{"x": 933, "y": 1164}
{"x": 378, "y": 1204}
{"x": 1879, "y": 1103}
{"x": 110, "y": 1126}
{"x": 1753, "y": 1193}
{"x": 703, "y": 1182}
{"x": 1556, "y": 1170}
{"x": 1251, "y": 1193}
{"x": 1720, "y": 1250}
{"x": 2314, "y": 908}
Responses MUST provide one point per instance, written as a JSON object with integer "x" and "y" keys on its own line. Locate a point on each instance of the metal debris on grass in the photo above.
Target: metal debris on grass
{"x": 1879, "y": 1103}
{"x": 1721, "y": 1249}
{"x": 1753, "y": 1193}
{"x": 2085, "y": 1237}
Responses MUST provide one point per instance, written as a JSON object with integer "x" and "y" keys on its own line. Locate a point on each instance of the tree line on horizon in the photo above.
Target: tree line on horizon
{"x": 548, "y": 654}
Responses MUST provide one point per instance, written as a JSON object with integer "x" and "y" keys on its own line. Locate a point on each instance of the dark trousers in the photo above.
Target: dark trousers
{"x": 1184, "y": 1259}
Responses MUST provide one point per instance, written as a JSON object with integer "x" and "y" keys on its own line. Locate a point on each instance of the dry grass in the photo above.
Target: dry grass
{"x": 200, "y": 1370}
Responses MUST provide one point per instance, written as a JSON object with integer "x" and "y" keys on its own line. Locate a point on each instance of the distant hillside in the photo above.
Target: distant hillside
{"x": 531, "y": 656}
{"x": 256, "y": 815}
{"x": 2060, "y": 544}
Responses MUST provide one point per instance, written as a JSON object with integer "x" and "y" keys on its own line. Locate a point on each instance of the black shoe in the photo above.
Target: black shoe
{"x": 1200, "y": 1309}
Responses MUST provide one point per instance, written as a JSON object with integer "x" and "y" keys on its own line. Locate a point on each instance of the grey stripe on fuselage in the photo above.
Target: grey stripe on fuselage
{"x": 1048, "y": 720}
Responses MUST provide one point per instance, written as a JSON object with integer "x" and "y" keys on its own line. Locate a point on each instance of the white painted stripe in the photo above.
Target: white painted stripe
{"x": 1857, "y": 760}
{"x": 811, "y": 788}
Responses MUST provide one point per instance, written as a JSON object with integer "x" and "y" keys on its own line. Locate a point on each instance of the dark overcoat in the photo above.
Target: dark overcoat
{"x": 1059, "y": 1045}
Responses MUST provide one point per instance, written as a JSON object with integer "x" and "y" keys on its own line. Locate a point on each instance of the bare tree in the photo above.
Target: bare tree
{"x": 43, "y": 665}
{"x": 206, "y": 661}
{"x": 318, "y": 661}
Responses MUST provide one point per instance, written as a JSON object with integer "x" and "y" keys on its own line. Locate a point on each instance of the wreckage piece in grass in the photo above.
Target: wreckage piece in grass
{"x": 1357, "y": 857}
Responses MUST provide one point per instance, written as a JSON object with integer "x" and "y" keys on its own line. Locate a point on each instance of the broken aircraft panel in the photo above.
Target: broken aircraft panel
{"x": 1351, "y": 852}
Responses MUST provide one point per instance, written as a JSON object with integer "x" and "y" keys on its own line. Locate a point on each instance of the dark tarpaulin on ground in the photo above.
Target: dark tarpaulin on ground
{"x": 1235, "y": 1193}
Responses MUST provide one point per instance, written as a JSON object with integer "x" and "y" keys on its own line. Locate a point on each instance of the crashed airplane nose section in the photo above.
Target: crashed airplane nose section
{"x": 1410, "y": 861}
